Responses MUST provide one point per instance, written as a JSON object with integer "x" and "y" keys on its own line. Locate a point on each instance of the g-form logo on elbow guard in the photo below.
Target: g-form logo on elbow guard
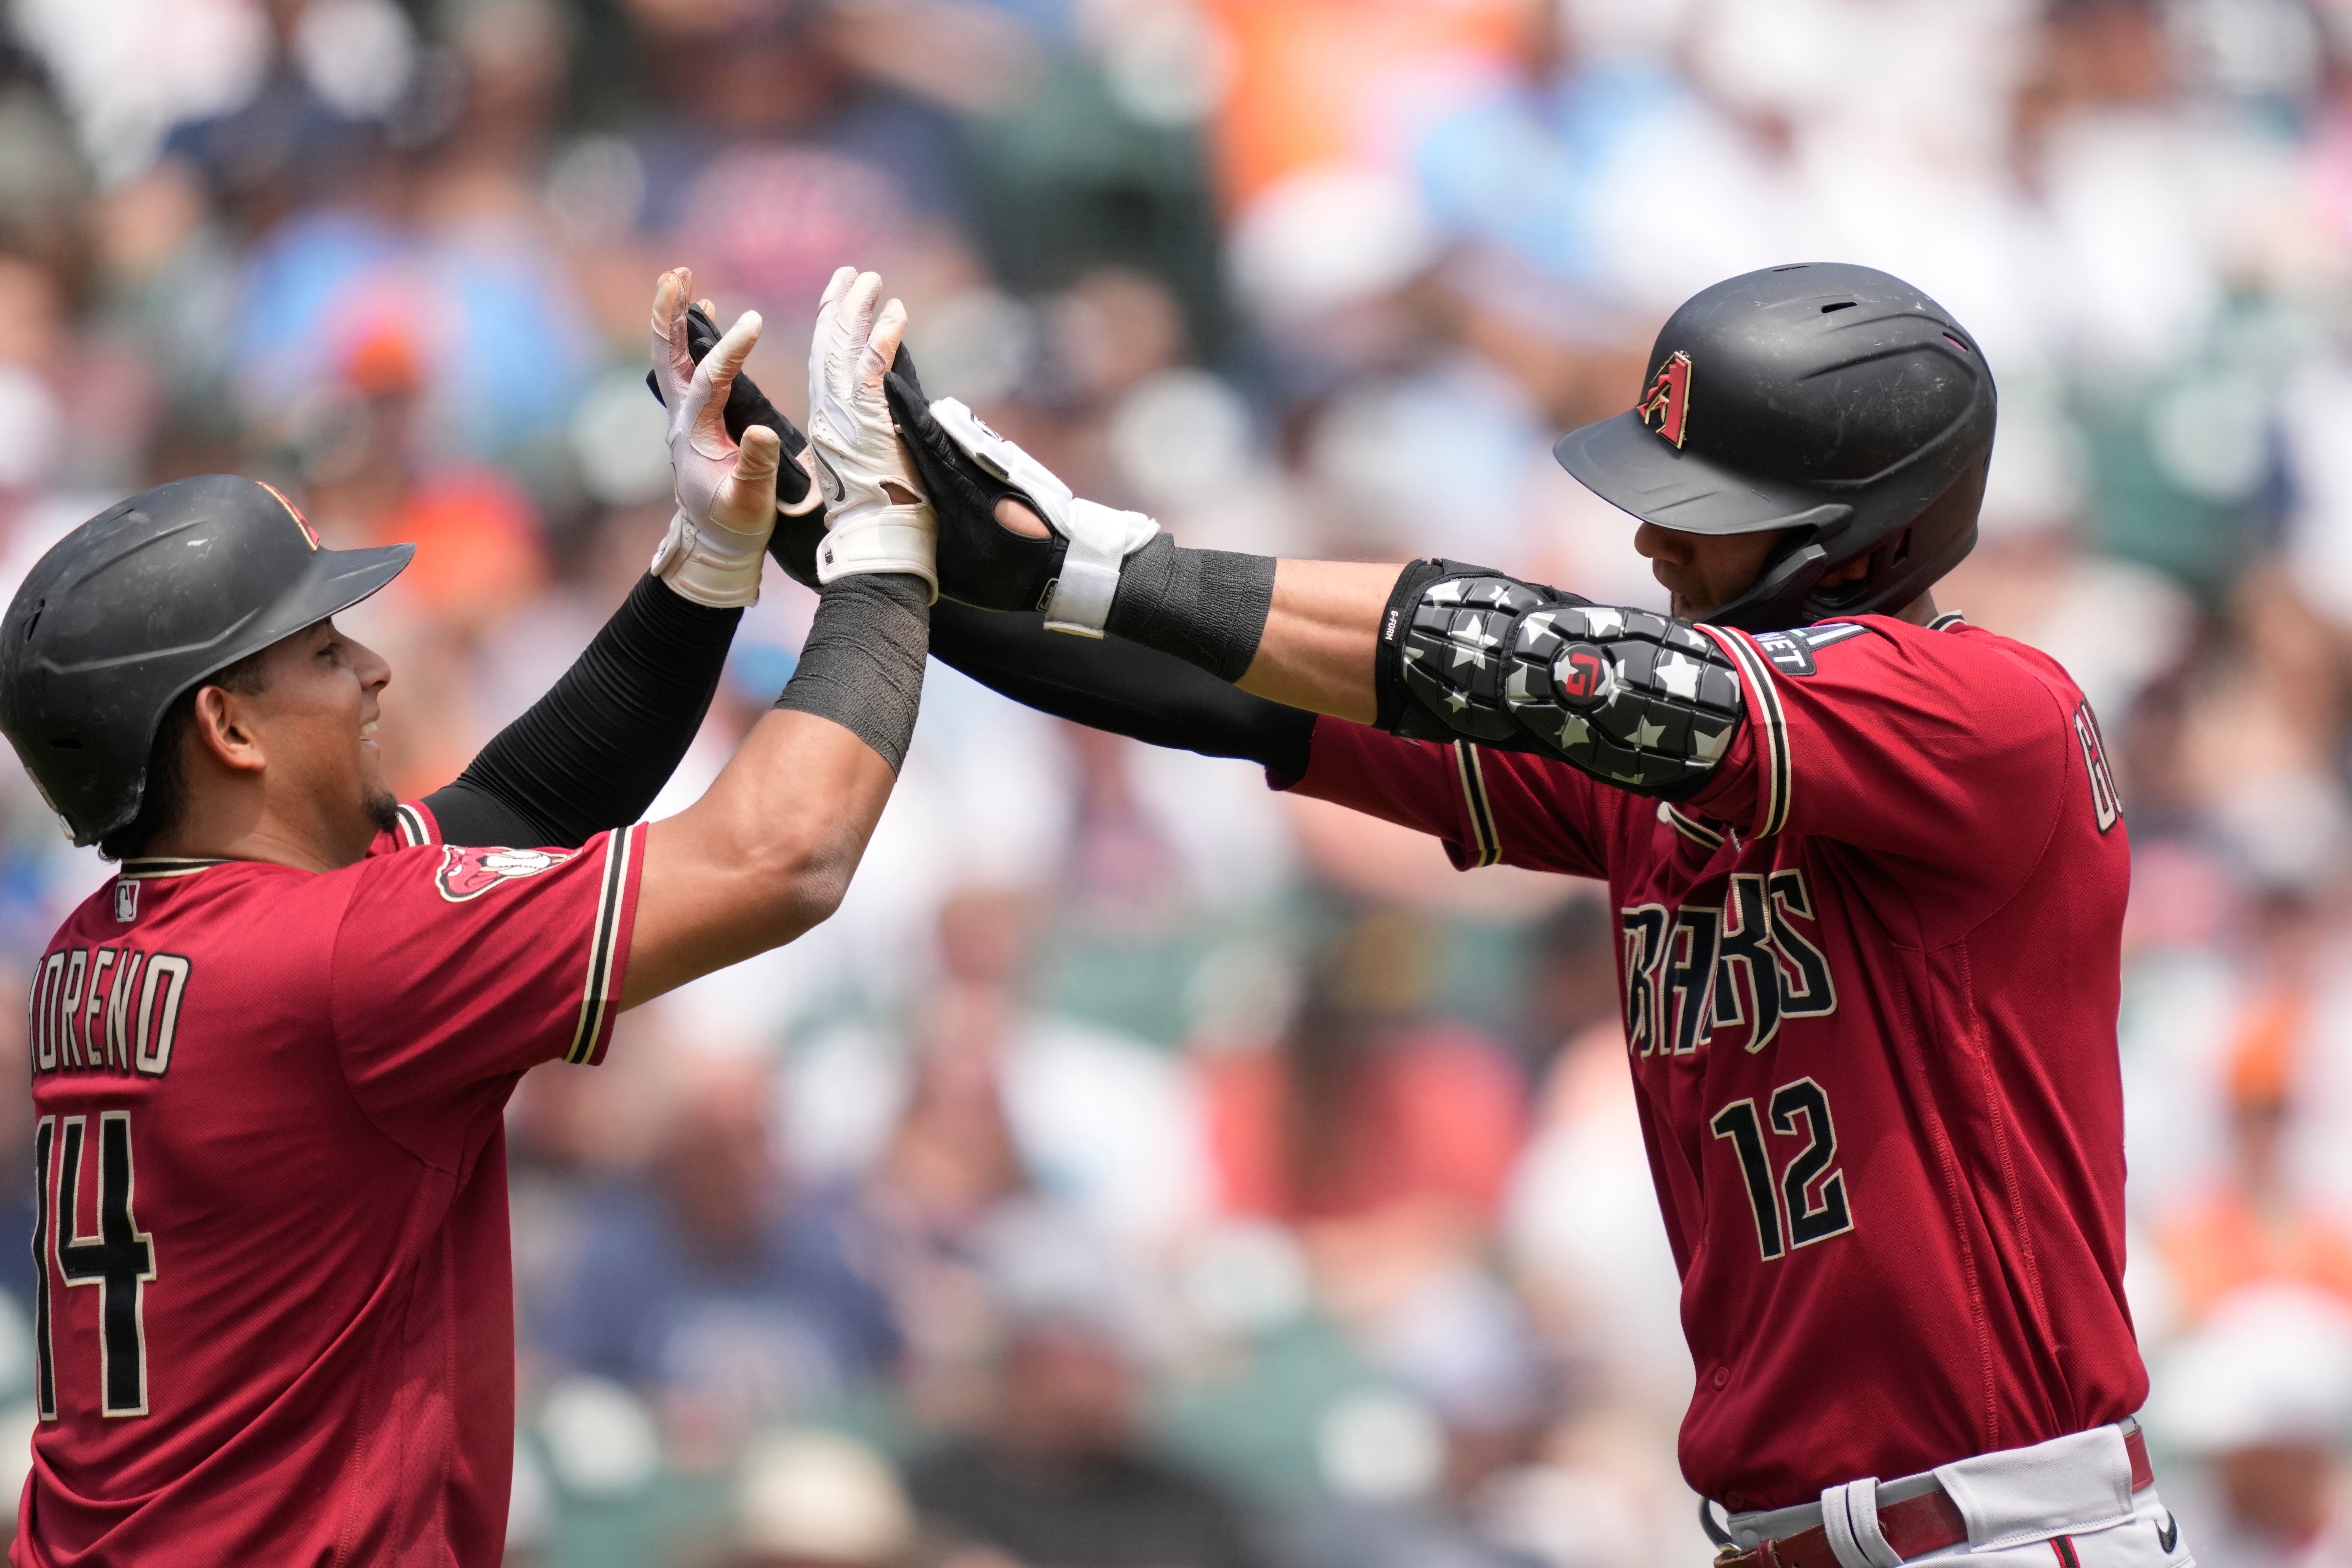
{"x": 1580, "y": 674}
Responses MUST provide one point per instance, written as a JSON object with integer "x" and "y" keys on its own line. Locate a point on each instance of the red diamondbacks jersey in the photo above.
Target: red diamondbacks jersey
{"x": 1871, "y": 979}
{"x": 275, "y": 1317}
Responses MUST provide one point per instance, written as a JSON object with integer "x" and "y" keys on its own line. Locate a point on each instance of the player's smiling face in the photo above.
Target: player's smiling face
{"x": 315, "y": 716}
{"x": 1704, "y": 572}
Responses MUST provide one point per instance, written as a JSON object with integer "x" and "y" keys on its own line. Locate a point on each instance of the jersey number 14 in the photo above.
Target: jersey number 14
{"x": 119, "y": 1261}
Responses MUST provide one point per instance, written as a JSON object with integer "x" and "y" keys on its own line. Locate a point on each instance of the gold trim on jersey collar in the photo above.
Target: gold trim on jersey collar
{"x": 156, "y": 868}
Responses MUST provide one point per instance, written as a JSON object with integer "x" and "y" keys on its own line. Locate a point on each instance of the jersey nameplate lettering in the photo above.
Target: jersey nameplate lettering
{"x": 1791, "y": 652}
{"x": 106, "y": 1009}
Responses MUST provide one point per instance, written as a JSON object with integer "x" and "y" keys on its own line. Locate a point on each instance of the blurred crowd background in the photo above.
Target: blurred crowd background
{"x": 1145, "y": 1170}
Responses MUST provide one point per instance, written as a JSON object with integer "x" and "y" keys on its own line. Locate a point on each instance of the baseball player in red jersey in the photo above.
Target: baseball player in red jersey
{"x": 1868, "y": 861}
{"x": 273, "y": 1319}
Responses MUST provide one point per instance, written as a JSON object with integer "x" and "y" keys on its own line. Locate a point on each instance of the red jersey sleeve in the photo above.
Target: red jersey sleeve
{"x": 414, "y": 823}
{"x": 455, "y": 969}
{"x": 1948, "y": 754}
{"x": 1486, "y": 806}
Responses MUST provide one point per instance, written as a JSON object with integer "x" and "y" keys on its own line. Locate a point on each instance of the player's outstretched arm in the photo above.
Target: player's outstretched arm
{"x": 1432, "y": 650}
{"x": 769, "y": 850}
{"x": 1112, "y": 684}
{"x": 594, "y": 751}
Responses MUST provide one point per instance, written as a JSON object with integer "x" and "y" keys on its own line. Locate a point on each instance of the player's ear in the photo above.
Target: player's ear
{"x": 223, "y": 730}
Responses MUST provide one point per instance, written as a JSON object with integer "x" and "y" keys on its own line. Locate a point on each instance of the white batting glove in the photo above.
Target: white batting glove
{"x": 726, "y": 495}
{"x": 876, "y": 518}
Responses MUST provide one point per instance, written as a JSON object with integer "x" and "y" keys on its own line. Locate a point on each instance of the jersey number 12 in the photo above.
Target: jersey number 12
{"x": 120, "y": 1260}
{"x": 1810, "y": 1192}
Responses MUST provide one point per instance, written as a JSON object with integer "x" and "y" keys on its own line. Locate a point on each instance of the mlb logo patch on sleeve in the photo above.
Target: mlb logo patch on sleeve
{"x": 469, "y": 873}
{"x": 1791, "y": 652}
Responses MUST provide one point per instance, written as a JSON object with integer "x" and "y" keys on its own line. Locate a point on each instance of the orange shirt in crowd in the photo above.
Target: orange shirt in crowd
{"x": 2226, "y": 1243}
{"x": 1439, "y": 1111}
{"x": 1312, "y": 80}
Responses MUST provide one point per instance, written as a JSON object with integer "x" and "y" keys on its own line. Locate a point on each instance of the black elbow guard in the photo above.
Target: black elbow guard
{"x": 1639, "y": 701}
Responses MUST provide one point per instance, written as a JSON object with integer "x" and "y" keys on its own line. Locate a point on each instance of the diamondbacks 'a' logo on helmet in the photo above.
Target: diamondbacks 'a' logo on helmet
{"x": 1668, "y": 398}
{"x": 470, "y": 873}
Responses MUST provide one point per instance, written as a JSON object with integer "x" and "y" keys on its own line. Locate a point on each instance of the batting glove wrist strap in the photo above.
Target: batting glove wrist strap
{"x": 893, "y": 539}
{"x": 1097, "y": 540}
{"x": 710, "y": 563}
{"x": 1101, "y": 540}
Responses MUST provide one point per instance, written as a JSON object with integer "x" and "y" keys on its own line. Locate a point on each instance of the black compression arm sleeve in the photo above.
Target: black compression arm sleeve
{"x": 594, "y": 751}
{"x": 1122, "y": 687}
{"x": 1207, "y": 607}
{"x": 862, "y": 665}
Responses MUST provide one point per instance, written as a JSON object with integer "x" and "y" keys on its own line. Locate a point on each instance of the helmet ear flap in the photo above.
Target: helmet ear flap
{"x": 1788, "y": 591}
{"x": 1910, "y": 561}
{"x": 1790, "y": 577}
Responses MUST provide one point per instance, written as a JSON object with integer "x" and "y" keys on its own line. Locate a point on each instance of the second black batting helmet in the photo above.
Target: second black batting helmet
{"x": 138, "y": 605}
{"x": 1834, "y": 400}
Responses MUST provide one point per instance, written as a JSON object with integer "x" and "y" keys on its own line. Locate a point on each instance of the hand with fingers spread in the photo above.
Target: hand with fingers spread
{"x": 800, "y": 511}
{"x": 726, "y": 492}
{"x": 876, "y": 516}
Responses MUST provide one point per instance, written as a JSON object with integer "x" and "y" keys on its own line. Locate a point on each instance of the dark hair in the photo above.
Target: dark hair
{"x": 164, "y": 798}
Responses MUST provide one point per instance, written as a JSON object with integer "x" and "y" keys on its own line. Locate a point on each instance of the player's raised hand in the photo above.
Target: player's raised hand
{"x": 800, "y": 517}
{"x": 878, "y": 518}
{"x": 726, "y": 492}
{"x": 995, "y": 552}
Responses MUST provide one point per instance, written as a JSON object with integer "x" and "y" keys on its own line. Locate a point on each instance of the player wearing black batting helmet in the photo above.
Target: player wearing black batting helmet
{"x": 135, "y": 607}
{"x": 1868, "y": 863}
{"x": 272, "y": 1052}
{"x": 1835, "y": 406}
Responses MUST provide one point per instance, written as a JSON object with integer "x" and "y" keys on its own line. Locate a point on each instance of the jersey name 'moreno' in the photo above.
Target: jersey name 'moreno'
{"x": 106, "y": 1009}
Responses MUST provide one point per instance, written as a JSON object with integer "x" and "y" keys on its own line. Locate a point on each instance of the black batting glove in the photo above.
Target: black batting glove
{"x": 981, "y": 563}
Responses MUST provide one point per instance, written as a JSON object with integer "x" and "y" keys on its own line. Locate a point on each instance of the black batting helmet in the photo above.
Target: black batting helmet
{"x": 1833, "y": 399}
{"x": 138, "y": 605}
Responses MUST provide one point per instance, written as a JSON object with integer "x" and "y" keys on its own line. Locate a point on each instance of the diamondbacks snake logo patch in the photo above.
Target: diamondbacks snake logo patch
{"x": 470, "y": 873}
